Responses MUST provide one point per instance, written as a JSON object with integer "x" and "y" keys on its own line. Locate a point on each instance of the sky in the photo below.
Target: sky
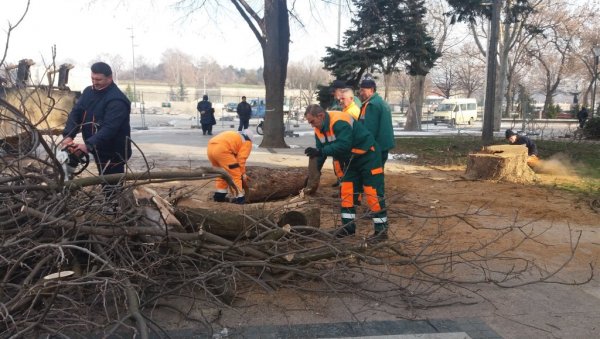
{"x": 82, "y": 30}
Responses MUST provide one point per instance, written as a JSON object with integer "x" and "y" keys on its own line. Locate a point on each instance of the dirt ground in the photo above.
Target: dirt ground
{"x": 559, "y": 220}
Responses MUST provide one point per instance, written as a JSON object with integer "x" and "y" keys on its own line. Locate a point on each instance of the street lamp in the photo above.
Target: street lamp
{"x": 596, "y": 51}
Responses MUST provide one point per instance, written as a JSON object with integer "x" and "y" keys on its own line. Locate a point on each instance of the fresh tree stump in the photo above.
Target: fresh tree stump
{"x": 231, "y": 220}
{"x": 500, "y": 162}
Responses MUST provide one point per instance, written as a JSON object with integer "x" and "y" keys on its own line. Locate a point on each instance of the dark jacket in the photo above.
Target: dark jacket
{"x": 531, "y": 147}
{"x": 244, "y": 110}
{"x": 583, "y": 114}
{"x": 103, "y": 119}
{"x": 207, "y": 112}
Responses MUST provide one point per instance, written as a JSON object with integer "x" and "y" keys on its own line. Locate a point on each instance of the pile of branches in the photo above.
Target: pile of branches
{"x": 68, "y": 269}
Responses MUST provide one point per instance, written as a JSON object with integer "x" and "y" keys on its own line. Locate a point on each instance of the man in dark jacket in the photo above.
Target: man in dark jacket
{"x": 101, "y": 114}
{"x": 515, "y": 139}
{"x": 244, "y": 112}
{"x": 582, "y": 116}
{"x": 207, "y": 115}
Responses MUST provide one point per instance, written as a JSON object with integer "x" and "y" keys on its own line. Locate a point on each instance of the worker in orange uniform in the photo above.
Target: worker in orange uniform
{"x": 230, "y": 150}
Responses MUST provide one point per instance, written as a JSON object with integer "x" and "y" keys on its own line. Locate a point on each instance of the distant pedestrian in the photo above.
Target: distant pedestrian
{"x": 207, "y": 115}
{"x": 244, "y": 112}
{"x": 582, "y": 116}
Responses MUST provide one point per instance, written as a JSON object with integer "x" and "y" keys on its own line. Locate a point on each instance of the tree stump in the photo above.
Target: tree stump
{"x": 500, "y": 162}
{"x": 231, "y": 220}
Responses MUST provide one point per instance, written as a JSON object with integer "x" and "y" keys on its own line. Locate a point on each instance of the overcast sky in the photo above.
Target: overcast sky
{"x": 84, "y": 29}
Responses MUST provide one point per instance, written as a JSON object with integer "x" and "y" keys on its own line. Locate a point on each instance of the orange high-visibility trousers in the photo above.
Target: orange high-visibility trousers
{"x": 229, "y": 150}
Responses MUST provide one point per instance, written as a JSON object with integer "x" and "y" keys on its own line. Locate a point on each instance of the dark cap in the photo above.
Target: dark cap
{"x": 205, "y": 97}
{"x": 368, "y": 83}
{"x": 509, "y": 133}
{"x": 337, "y": 84}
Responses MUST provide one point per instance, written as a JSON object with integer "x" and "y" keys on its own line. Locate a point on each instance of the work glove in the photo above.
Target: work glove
{"x": 312, "y": 152}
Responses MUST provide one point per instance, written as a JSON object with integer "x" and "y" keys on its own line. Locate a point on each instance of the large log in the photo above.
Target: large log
{"x": 231, "y": 220}
{"x": 270, "y": 184}
{"x": 500, "y": 162}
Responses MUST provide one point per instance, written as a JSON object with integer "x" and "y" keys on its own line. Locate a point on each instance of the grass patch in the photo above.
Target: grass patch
{"x": 583, "y": 157}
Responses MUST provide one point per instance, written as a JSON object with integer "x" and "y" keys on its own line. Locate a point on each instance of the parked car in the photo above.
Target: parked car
{"x": 231, "y": 107}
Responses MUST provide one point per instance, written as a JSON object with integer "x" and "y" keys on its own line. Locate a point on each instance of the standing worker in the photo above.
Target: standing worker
{"x": 102, "y": 115}
{"x": 230, "y": 150}
{"x": 348, "y": 104}
{"x": 207, "y": 115}
{"x": 377, "y": 117}
{"x": 339, "y": 136}
{"x": 336, "y": 93}
{"x": 244, "y": 112}
{"x": 515, "y": 139}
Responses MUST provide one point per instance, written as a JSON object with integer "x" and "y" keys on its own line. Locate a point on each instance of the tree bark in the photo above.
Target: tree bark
{"x": 275, "y": 56}
{"x": 415, "y": 99}
{"x": 231, "y": 220}
{"x": 269, "y": 184}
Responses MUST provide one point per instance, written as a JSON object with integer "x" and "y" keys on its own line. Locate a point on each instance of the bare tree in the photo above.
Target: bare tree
{"x": 305, "y": 76}
{"x": 469, "y": 70}
{"x": 439, "y": 27}
{"x": 115, "y": 61}
{"x": 552, "y": 49}
{"x": 444, "y": 75}
{"x": 9, "y": 30}
{"x": 272, "y": 31}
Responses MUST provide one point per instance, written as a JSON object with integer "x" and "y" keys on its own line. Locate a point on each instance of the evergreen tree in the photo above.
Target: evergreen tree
{"x": 383, "y": 34}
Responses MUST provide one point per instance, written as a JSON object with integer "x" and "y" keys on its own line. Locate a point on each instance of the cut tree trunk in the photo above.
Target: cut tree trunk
{"x": 500, "y": 162}
{"x": 269, "y": 184}
{"x": 231, "y": 220}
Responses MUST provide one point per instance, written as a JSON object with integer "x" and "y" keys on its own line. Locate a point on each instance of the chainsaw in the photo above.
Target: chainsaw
{"x": 73, "y": 161}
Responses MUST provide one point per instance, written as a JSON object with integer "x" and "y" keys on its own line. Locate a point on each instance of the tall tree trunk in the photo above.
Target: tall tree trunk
{"x": 275, "y": 56}
{"x": 501, "y": 75}
{"x": 387, "y": 79}
{"x": 415, "y": 106}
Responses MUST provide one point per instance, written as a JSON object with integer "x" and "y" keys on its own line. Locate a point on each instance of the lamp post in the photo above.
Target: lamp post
{"x": 596, "y": 51}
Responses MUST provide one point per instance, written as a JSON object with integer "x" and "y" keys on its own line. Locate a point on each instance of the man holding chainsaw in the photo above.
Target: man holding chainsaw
{"x": 230, "y": 150}
{"x": 101, "y": 114}
{"x": 339, "y": 136}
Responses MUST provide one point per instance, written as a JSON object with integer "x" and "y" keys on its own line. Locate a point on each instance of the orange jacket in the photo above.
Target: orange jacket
{"x": 231, "y": 142}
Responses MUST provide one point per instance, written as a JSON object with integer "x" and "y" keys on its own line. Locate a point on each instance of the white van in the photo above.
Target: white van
{"x": 456, "y": 111}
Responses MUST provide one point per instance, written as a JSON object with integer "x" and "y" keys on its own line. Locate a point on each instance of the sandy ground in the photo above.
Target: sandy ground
{"x": 558, "y": 218}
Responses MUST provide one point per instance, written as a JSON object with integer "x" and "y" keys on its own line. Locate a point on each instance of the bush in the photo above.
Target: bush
{"x": 591, "y": 129}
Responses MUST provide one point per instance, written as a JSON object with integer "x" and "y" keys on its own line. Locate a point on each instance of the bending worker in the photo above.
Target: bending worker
{"x": 339, "y": 136}
{"x": 515, "y": 139}
{"x": 230, "y": 150}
